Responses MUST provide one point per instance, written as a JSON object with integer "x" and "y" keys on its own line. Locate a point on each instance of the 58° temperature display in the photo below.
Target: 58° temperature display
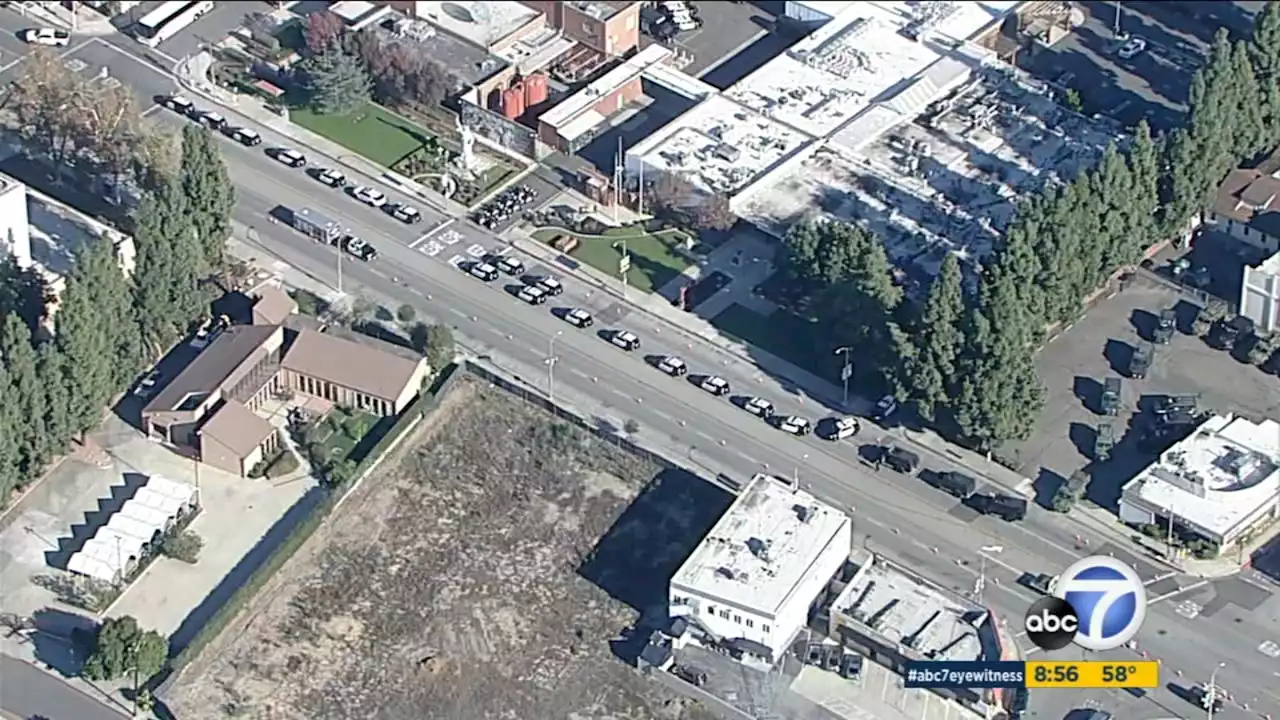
{"x": 1093, "y": 674}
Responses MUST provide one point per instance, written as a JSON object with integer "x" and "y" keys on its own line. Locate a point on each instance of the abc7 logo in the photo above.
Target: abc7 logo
{"x": 1052, "y": 623}
{"x": 1114, "y": 606}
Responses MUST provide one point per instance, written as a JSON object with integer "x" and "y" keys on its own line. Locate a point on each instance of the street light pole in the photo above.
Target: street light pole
{"x": 980, "y": 584}
{"x": 551, "y": 366}
{"x": 795, "y": 474}
{"x": 846, "y": 372}
{"x": 1211, "y": 692}
{"x": 1117, "y": 30}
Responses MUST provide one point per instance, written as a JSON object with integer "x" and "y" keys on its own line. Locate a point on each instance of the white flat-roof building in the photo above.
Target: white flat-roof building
{"x": 15, "y": 228}
{"x": 1221, "y": 483}
{"x": 756, "y": 574}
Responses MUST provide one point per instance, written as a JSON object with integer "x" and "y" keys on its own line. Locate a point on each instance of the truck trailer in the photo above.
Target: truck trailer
{"x": 317, "y": 225}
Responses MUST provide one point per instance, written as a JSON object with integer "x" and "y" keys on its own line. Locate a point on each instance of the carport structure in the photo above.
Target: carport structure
{"x": 131, "y": 534}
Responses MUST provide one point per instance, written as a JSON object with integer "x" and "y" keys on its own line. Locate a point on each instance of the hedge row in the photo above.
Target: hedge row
{"x": 425, "y": 403}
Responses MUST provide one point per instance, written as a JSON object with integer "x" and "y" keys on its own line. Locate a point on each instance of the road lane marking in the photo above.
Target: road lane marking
{"x": 431, "y": 249}
{"x": 477, "y": 251}
{"x": 428, "y": 235}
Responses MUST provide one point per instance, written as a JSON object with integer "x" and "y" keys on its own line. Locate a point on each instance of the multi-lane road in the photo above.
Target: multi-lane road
{"x": 899, "y": 516}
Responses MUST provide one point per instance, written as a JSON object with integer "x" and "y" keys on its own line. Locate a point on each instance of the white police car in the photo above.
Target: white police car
{"x": 795, "y": 425}
{"x": 179, "y": 104}
{"x": 290, "y": 157}
{"x": 715, "y": 385}
{"x": 510, "y": 265}
{"x": 484, "y": 271}
{"x": 332, "y": 178}
{"x": 550, "y": 285}
{"x": 673, "y": 366}
{"x": 625, "y": 339}
{"x": 578, "y": 317}
{"x": 758, "y": 407}
{"x": 370, "y": 196}
{"x": 532, "y": 295}
{"x": 841, "y": 428}
{"x": 212, "y": 120}
{"x": 246, "y": 137}
{"x": 50, "y": 37}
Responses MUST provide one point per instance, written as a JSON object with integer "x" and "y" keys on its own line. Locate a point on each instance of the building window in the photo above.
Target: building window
{"x": 711, "y": 609}
{"x": 737, "y": 619}
{"x": 724, "y": 614}
{"x": 751, "y": 623}
{"x": 765, "y": 628}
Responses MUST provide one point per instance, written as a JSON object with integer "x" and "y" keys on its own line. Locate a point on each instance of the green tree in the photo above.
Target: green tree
{"x": 336, "y": 81}
{"x": 10, "y": 435}
{"x": 184, "y": 546}
{"x": 22, "y": 291}
{"x": 209, "y": 193}
{"x": 440, "y": 348}
{"x": 932, "y": 372}
{"x": 1265, "y": 55}
{"x": 405, "y": 313}
{"x": 166, "y": 288}
{"x": 122, "y": 648}
{"x": 26, "y": 396}
{"x": 58, "y": 399}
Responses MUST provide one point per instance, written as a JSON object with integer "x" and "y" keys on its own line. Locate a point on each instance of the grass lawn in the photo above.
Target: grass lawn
{"x": 654, "y": 261}
{"x": 785, "y": 334}
{"x": 370, "y": 131}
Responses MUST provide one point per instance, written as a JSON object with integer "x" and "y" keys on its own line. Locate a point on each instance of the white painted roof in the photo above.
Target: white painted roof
{"x": 151, "y": 498}
{"x": 127, "y": 522}
{"x": 172, "y": 488}
{"x": 1217, "y": 478}
{"x": 83, "y": 564}
{"x": 479, "y": 22}
{"x": 760, "y": 549}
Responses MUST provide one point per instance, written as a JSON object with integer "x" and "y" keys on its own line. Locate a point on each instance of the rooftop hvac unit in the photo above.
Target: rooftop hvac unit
{"x": 727, "y": 573}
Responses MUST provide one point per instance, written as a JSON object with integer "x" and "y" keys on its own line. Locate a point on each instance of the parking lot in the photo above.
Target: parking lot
{"x": 1075, "y": 365}
{"x": 1153, "y": 84}
{"x": 726, "y": 28}
{"x": 106, "y": 65}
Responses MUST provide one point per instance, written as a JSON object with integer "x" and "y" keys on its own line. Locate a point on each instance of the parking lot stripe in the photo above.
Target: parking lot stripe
{"x": 428, "y": 234}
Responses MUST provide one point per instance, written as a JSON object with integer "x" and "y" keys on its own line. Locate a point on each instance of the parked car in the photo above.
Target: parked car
{"x": 212, "y": 120}
{"x": 715, "y": 385}
{"x": 1132, "y": 48}
{"x": 51, "y": 37}
{"x": 290, "y": 157}
{"x": 484, "y": 271}
{"x": 370, "y": 196}
{"x": 510, "y": 265}
{"x": 246, "y": 137}
{"x": 179, "y": 104}
{"x": 532, "y": 294}
{"x": 625, "y": 339}
{"x": 673, "y": 366}
{"x": 758, "y": 407}
{"x": 406, "y": 214}
{"x": 578, "y": 317}
{"x": 332, "y": 178}
{"x": 795, "y": 425}
{"x": 147, "y": 385}
{"x": 549, "y": 285}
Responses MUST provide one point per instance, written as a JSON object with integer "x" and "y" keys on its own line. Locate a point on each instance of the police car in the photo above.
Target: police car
{"x": 51, "y": 37}
{"x": 212, "y": 120}
{"x": 673, "y": 366}
{"x": 290, "y": 157}
{"x": 550, "y": 285}
{"x": 624, "y": 339}
{"x": 510, "y": 265}
{"x": 532, "y": 295}
{"x": 578, "y": 317}
{"x": 179, "y": 104}
{"x": 841, "y": 428}
{"x": 795, "y": 425}
{"x": 759, "y": 407}
{"x": 369, "y": 196}
{"x": 484, "y": 271}
{"x": 332, "y": 178}
{"x": 246, "y": 137}
{"x": 406, "y": 214}
{"x": 715, "y": 385}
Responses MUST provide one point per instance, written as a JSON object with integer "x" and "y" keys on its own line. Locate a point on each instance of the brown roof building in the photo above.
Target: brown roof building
{"x": 1248, "y": 208}
{"x": 211, "y": 405}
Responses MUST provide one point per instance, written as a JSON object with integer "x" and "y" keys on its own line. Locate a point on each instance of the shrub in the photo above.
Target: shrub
{"x": 184, "y": 546}
{"x": 284, "y": 464}
{"x": 405, "y": 313}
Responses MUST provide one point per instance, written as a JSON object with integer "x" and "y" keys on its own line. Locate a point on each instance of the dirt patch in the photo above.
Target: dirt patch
{"x": 449, "y": 587}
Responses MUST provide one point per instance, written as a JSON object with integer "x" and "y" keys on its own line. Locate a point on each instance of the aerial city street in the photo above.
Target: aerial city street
{"x": 601, "y": 359}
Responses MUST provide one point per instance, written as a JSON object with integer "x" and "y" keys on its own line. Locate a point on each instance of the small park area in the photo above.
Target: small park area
{"x": 656, "y": 258}
{"x": 344, "y": 434}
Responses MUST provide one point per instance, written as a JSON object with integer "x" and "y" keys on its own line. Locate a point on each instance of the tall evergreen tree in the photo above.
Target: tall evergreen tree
{"x": 10, "y": 435}
{"x": 1249, "y": 119}
{"x": 932, "y": 371}
{"x": 209, "y": 193}
{"x": 26, "y": 395}
{"x": 337, "y": 81}
{"x": 57, "y": 400}
{"x": 1144, "y": 168}
{"x": 1265, "y": 54}
{"x": 166, "y": 292}
{"x": 86, "y": 333}
{"x": 21, "y": 291}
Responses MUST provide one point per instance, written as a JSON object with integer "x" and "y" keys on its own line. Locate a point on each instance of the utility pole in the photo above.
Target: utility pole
{"x": 551, "y": 366}
{"x": 1211, "y": 692}
{"x": 846, "y": 372}
{"x": 339, "y": 268}
{"x": 981, "y": 583}
{"x": 1117, "y": 28}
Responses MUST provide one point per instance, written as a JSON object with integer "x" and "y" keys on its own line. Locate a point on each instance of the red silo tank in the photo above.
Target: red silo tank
{"x": 513, "y": 102}
{"x": 535, "y": 90}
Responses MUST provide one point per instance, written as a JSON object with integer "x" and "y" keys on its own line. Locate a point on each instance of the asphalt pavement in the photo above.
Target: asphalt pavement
{"x": 898, "y": 516}
{"x": 27, "y": 691}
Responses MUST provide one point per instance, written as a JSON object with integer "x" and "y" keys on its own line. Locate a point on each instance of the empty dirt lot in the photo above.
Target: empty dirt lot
{"x": 452, "y": 585}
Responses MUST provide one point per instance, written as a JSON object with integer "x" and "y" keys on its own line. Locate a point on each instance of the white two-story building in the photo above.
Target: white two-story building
{"x": 751, "y": 581}
{"x": 1247, "y": 208}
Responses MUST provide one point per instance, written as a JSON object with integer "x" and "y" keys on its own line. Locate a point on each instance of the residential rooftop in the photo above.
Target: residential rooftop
{"x": 1251, "y": 197}
{"x": 720, "y": 145}
{"x": 377, "y": 371}
{"x": 945, "y": 183}
{"x": 228, "y": 352}
{"x": 1221, "y": 479}
{"x": 480, "y": 22}
{"x": 762, "y": 547}
{"x": 908, "y": 610}
{"x": 599, "y": 9}
{"x": 827, "y": 78}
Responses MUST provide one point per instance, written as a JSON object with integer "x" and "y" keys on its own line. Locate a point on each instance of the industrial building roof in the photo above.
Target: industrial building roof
{"x": 583, "y": 100}
{"x": 1218, "y": 479}
{"x": 908, "y": 610}
{"x": 762, "y": 547}
{"x": 480, "y": 22}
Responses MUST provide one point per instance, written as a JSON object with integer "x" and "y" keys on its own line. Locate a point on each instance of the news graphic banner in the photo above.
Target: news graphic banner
{"x": 977, "y": 674}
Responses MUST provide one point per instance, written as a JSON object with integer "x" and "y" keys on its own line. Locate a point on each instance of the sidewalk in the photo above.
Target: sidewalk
{"x": 86, "y": 21}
